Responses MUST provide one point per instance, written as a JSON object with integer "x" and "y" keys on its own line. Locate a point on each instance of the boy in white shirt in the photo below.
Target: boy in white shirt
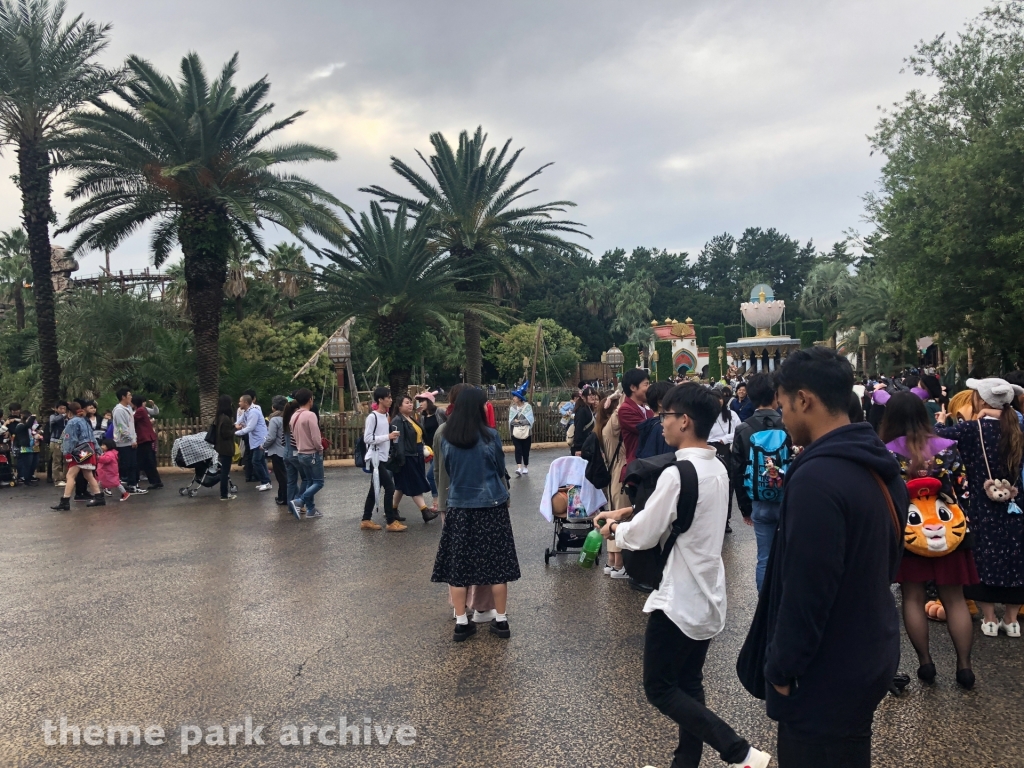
{"x": 688, "y": 607}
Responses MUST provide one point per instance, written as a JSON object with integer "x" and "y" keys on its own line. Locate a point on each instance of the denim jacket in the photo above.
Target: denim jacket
{"x": 76, "y": 432}
{"x": 476, "y": 475}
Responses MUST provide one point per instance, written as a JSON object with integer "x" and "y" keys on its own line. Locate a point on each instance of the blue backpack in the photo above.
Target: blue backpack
{"x": 770, "y": 457}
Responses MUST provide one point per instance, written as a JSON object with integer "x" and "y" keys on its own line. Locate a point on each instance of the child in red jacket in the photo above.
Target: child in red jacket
{"x": 108, "y": 471}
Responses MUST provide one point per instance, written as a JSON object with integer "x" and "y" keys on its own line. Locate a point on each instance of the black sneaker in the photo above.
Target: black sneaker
{"x": 500, "y": 628}
{"x": 464, "y": 631}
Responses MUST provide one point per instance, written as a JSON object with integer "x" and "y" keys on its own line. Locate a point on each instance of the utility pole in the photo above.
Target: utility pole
{"x": 536, "y": 352}
{"x": 106, "y": 252}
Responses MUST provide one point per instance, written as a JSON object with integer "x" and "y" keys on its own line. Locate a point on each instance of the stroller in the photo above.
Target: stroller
{"x": 6, "y": 466}
{"x": 193, "y": 452}
{"x": 569, "y": 501}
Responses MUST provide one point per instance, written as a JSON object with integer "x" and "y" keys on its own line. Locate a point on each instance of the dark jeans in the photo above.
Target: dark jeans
{"x": 311, "y": 470}
{"x": 387, "y": 491}
{"x": 295, "y": 484}
{"x": 247, "y": 460}
{"x": 259, "y": 465}
{"x": 523, "y": 450}
{"x": 281, "y": 475}
{"x": 674, "y": 683}
{"x": 27, "y": 463}
{"x": 225, "y": 475}
{"x": 127, "y": 463}
{"x": 146, "y": 455}
{"x": 796, "y": 751}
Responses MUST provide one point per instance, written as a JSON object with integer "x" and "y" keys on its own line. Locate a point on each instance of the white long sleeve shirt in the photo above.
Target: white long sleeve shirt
{"x": 692, "y": 590}
{"x": 724, "y": 428}
{"x": 376, "y": 433}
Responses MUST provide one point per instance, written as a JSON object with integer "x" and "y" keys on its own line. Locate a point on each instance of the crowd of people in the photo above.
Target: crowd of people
{"x": 849, "y": 488}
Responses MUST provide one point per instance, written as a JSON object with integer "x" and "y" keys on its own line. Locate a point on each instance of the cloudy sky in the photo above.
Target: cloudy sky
{"x": 667, "y": 122}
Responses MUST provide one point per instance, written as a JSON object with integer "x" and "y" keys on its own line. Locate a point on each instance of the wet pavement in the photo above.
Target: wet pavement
{"x": 191, "y": 612}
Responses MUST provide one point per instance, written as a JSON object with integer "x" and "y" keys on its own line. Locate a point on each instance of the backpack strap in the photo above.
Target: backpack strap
{"x": 686, "y": 506}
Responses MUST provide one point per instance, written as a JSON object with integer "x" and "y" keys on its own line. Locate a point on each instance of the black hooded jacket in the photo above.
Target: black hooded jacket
{"x": 833, "y": 630}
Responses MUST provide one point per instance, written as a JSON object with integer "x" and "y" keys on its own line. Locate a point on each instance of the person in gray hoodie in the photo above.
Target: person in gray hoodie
{"x": 126, "y": 440}
{"x": 274, "y": 447}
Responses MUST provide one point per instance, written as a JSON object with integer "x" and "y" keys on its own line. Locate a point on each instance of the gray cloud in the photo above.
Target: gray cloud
{"x": 668, "y": 122}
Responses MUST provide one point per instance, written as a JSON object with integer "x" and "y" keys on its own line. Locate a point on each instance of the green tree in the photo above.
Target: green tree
{"x": 828, "y": 284}
{"x": 289, "y": 270}
{"x": 15, "y": 271}
{"x": 48, "y": 69}
{"x": 194, "y": 155}
{"x": 243, "y": 268}
{"x": 284, "y": 346}
{"x": 948, "y": 217}
{"x": 169, "y": 368}
{"x": 479, "y": 219}
{"x": 391, "y": 277}
{"x": 633, "y": 306}
{"x": 508, "y": 351}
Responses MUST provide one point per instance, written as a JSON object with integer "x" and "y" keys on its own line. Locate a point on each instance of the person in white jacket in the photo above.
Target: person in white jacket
{"x": 378, "y": 436}
{"x": 688, "y": 608}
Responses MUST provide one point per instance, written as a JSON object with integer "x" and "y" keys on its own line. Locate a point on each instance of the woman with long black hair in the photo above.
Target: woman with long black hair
{"x": 584, "y": 418}
{"x": 225, "y": 443}
{"x": 723, "y": 431}
{"x": 907, "y": 432}
{"x": 477, "y": 546}
{"x": 992, "y": 448}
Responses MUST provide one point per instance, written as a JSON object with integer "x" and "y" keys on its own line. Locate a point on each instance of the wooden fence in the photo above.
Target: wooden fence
{"x": 343, "y": 429}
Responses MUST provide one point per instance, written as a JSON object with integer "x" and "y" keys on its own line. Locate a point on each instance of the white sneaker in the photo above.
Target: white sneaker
{"x": 990, "y": 629}
{"x": 483, "y": 617}
{"x": 60, "y": 484}
{"x": 519, "y": 471}
{"x": 619, "y": 573}
{"x": 264, "y": 487}
{"x": 1012, "y": 629}
{"x": 755, "y": 759}
{"x": 526, "y": 470}
{"x": 608, "y": 570}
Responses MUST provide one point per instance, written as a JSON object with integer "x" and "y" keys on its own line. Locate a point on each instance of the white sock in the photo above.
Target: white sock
{"x": 461, "y": 619}
{"x": 499, "y": 617}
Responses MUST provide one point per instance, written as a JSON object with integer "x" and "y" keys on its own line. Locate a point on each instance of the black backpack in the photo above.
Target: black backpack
{"x": 360, "y": 451}
{"x": 647, "y": 565}
{"x": 597, "y": 472}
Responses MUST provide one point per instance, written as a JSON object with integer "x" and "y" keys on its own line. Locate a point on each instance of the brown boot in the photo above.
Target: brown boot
{"x": 369, "y": 525}
{"x": 396, "y": 527}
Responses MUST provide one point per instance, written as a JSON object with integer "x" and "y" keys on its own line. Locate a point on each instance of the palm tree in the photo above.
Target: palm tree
{"x": 828, "y": 285}
{"x": 194, "y": 156}
{"x": 478, "y": 220}
{"x": 47, "y": 70}
{"x": 15, "y": 271}
{"x": 390, "y": 277}
{"x": 243, "y": 266}
{"x": 290, "y": 270}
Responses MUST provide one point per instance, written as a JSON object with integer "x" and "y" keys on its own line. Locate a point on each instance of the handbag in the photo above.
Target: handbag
{"x": 211, "y": 434}
{"x": 521, "y": 431}
{"x": 83, "y": 453}
{"x": 999, "y": 491}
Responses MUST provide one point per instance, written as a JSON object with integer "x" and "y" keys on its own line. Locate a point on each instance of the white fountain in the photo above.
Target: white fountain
{"x": 762, "y": 351}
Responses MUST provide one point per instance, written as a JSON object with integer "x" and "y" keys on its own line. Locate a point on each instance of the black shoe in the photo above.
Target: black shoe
{"x": 634, "y": 584}
{"x": 500, "y": 628}
{"x": 428, "y": 515}
{"x": 464, "y": 632}
{"x": 64, "y": 505}
{"x": 899, "y": 682}
{"x": 399, "y": 518}
{"x": 965, "y": 678}
{"x": 926, "y": 673}
{"x": 99, "y": 500}
{"x": 154, "y": 487}
{"x": 728, "y": 528}
{"x": 82, "y": 497}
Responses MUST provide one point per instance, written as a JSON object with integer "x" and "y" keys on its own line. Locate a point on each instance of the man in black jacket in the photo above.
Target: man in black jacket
{"x": 762, "y": 515}
{"x": 832, "y": 642}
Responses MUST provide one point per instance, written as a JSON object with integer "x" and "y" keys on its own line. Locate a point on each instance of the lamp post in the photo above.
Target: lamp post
{"x": 339, "y": 349}
{"x": 615, "y": 359}
{"x": 863, "y": 341}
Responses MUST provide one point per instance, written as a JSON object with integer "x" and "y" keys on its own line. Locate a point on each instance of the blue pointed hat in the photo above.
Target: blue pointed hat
{"x": 521, "y": 392}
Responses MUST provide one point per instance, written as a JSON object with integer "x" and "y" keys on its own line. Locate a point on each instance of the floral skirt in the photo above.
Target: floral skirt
{"x": 476, "y": 548}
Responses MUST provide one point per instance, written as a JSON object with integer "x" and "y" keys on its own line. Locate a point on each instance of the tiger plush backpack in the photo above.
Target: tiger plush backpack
{"x": 936, "y": 526}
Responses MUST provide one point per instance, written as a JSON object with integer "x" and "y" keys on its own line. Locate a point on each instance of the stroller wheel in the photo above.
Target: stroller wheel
{"x": 192, "y": 493}
{"x": 547, "y": 555}
{"x": 183, "y": 491}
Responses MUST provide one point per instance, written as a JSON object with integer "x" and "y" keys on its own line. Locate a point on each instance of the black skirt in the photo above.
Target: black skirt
{"x": 476, "y": 548}
{"x": 411, "y": 479}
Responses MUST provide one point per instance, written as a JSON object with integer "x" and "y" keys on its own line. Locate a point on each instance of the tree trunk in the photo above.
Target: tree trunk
{"x": 474, "y": 358}
{"x": 34, "y": 180}
{"x": 398, "y": 380}
{"x": 205, "y": 237}
{"x": 19, "y": 307}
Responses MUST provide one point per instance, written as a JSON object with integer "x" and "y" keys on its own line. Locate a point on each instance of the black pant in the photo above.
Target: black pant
{"x": 127, "y": 463}
{"x": 523, "y": 450}
{"x": 281, "y": 475}
{"x": 674, "y": 683}
{"x": 247, "y": 459}
{"x": 225, "y": 475}
{"x": 146, "y": 455}
{"x": 387, "y": 491}
{"x": 797, "y": 751}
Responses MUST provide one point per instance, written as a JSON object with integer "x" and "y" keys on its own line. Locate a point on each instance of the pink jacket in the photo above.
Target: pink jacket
{"x": 305, "y": 428}
{"x": 107, "y": 470}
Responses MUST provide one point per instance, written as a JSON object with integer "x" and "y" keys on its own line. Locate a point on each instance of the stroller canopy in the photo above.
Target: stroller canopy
{"x": 191, "y": 450}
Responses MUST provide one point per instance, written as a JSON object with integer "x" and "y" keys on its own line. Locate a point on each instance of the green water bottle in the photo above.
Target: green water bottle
{"x": 591, "y": 548}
